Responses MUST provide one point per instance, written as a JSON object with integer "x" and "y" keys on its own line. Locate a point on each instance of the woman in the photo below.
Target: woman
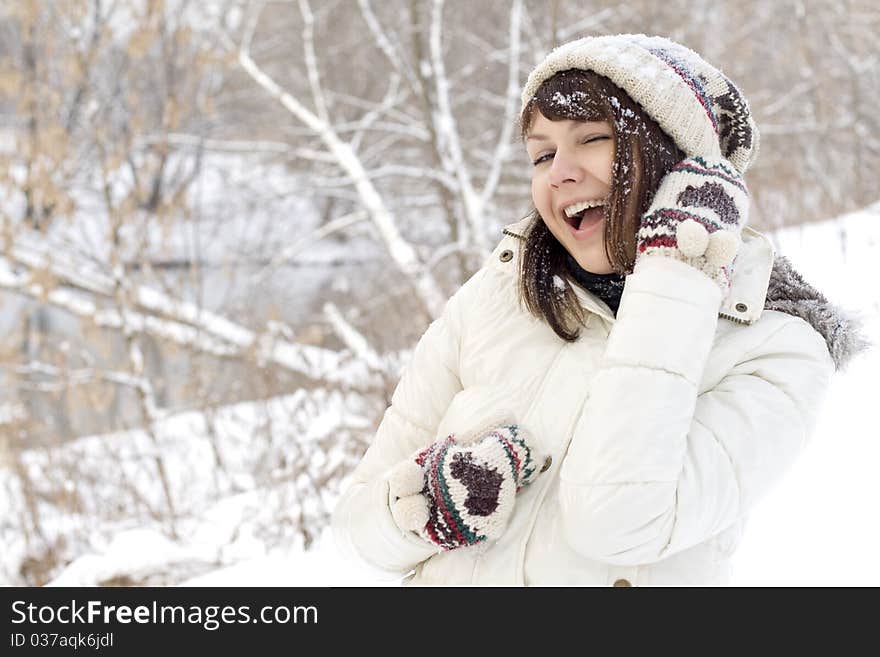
{"x": 631, "y": 370}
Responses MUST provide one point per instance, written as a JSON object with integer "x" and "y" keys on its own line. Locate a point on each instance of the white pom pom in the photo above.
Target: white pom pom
{"x": 722, "y": 248}
{"x": 692, "y": 238}
{"x": 411, "y": 512}
{"x": 406, "y": 478}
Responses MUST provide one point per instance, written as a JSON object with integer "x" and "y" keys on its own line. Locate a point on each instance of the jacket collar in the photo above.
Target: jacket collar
{"x": 748, "y": 287}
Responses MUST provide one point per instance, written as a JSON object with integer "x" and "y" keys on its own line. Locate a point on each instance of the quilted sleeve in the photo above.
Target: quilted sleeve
{"x": 654, "y": 467}
{"x": 362, "y": 522}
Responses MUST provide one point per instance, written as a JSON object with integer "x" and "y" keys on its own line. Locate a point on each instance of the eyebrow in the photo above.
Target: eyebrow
{"x": 571, "y": 126}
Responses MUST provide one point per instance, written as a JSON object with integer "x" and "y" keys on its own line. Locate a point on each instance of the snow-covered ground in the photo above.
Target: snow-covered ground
{"x": 820, "y": 526}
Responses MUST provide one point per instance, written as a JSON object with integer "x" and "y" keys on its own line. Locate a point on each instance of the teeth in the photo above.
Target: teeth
{"x": 583, "y": 205}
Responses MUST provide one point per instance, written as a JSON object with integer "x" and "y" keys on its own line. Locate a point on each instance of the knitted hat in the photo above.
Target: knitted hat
{"x": 693, "y": 102}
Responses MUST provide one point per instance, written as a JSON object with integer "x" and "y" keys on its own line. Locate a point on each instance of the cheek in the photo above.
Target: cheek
{"x": 538, "y": 193}
{"x": 606, "y": 167}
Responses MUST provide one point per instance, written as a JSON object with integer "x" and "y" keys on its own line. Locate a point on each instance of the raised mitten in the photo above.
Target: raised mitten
{"x": 697, "y": 216}
{"x": 468, "y": 486}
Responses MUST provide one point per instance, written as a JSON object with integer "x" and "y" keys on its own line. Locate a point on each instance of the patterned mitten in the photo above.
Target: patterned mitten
{"x": 697, "y": 217}
{"x": 462, "y": 492}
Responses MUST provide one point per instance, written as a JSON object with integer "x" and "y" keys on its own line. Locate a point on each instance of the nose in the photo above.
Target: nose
{"x": 563, "y": 169}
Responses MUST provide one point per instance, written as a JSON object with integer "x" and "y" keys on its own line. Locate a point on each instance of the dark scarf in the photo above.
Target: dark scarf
{"x": 608, "y": 287}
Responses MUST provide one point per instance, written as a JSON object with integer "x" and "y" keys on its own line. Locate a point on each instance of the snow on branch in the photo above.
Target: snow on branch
{"x": 511, "y": 96}
{"x": 388, "y": 49}
{"x": 311, "y": 60}
{"x": 78, "y": 289}
{"x": 353, "y": 338}
{"x": 402, "y": 253}
{"x": 448, "y": 134}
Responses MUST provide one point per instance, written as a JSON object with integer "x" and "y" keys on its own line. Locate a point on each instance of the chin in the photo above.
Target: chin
{"x": 597, "y": 268}
{"x": 593, "y": 262}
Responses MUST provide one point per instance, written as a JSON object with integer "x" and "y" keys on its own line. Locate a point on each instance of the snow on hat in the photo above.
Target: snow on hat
{"x": 692, "y": 101}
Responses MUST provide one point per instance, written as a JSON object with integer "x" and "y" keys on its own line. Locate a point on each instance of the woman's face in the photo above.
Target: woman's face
{"x": 572, "y": 165}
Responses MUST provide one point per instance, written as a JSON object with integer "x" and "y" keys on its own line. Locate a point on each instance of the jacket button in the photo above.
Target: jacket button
{"x": 622, "y": 582}
{"x": 547, "y": 462}
{"x": 741, "y": 307}
{"x": 506, "y": 255}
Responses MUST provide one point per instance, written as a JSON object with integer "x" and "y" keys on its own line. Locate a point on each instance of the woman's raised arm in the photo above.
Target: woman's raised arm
{"x": 654, "y": 467}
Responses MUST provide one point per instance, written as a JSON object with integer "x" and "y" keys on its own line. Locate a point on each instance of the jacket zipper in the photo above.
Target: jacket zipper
{"x": 736, "y": 320}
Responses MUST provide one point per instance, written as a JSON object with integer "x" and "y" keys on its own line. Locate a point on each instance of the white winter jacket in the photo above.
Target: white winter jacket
{"x": 665, "y": 425}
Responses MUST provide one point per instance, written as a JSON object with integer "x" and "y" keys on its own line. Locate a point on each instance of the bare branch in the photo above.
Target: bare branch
{"x": 400, "y": 64}
{"x": 448, "y": 134}
{"x": 353, "y": 338}
{"x": 312, "y": 61}
{"x": 511, "y": 97}
{"x": 176, "y": 321}
{"x": 401, "y": 252}
{"x": 338, "y": 224}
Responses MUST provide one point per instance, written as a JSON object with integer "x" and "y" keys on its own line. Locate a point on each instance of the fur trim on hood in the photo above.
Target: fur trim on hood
{"x": 789, "y": 293}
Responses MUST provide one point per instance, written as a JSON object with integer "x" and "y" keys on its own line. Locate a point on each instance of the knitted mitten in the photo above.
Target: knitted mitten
{"x": 462, "y": 492}
{"x": 697, "y": 217}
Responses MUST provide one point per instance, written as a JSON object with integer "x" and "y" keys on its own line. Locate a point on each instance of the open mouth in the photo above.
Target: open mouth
{"x": 586, "y": 217}
{"x": 584, "y": 213}
{"x": 574, "y": 220}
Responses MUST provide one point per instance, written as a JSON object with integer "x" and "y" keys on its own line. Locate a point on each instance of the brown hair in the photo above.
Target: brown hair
{"x": 643, "y": 155}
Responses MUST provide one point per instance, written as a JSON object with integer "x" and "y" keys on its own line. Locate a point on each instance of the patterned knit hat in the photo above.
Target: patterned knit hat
{"x": 693, "y": 102}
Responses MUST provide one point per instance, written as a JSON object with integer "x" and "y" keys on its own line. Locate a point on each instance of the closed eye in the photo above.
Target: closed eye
{"x": 543, "y": 157}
